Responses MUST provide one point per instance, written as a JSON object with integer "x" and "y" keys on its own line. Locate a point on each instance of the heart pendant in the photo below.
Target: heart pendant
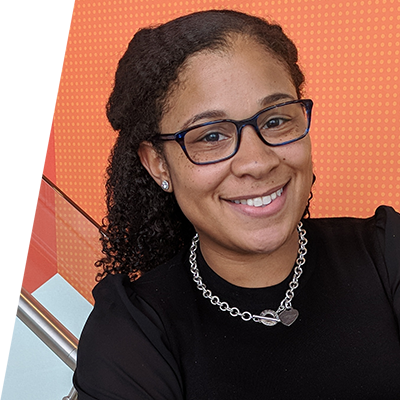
{"x": 287, "y": 317}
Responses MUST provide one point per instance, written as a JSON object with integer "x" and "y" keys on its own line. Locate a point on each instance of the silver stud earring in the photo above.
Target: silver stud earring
{"x": 164, "y": 185}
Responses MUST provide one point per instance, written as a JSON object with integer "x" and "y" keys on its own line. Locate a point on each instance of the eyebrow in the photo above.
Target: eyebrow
{"x": 273, "y": 98}
{"x": 209, "y": 114}
{"x": 219, "y": 114}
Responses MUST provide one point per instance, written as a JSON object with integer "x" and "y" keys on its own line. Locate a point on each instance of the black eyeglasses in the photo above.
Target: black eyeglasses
{"x": 217, "y": 141}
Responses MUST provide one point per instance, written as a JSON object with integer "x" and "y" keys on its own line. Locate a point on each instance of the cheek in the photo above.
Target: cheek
{"x": 190, "y": 180}
{"x": 308, "y": 163}
{"x": 299, "y": 158}
{"x": 196, "y": 192}
{"x": 196, "y": 181}
{"x": 297, "y": 155}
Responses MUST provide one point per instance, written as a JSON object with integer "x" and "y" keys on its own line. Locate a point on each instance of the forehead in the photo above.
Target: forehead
{"x": 233, "y": 80}
{"x": 238, "y": 49}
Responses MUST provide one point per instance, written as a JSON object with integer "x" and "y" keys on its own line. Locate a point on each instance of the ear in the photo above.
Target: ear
{"x": 154, "y": 163}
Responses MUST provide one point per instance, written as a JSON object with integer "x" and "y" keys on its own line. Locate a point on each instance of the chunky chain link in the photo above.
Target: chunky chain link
{"x": 286, "y": 303}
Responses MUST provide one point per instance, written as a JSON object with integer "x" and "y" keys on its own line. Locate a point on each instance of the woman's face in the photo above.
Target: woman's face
{"x": 235, "y": 84}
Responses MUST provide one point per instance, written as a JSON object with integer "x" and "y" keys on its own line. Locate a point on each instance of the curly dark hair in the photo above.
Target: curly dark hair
{"x": 144, "y": 225}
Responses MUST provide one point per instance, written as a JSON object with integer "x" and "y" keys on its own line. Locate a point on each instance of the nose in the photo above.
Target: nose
{"x": 254, "y": 158}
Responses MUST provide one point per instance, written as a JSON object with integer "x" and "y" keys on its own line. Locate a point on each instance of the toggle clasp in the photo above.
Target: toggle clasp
{"x": 267, "y": 317}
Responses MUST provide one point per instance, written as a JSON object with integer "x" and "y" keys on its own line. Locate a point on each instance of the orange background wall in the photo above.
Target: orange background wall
{"x": 349, "y": 51}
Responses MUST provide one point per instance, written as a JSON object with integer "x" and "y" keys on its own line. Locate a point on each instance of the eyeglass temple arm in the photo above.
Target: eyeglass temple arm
{"x": 166, "y": 137}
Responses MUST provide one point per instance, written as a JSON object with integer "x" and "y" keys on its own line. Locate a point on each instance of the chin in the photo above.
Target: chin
{"x": 265, "y": 244}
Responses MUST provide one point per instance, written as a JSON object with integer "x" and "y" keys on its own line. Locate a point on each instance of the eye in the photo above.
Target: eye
{"x": 211, "y": 134}
{"x": 274, "y": 122}
{"x": 213, "y": 137}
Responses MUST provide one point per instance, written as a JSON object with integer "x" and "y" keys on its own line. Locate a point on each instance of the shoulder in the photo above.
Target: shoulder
{"x": 357, "y": 241}
{"x": 123, "y": 348}
{"x": 376, "y": 238}
{"x": 341, "y": 228}
{"x": 167, "y": 283}
{"x": 388, "y": 220}
{"x": 117, "y": 297}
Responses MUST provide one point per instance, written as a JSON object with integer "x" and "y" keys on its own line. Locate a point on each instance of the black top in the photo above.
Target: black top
{"x": 159, "y": 338}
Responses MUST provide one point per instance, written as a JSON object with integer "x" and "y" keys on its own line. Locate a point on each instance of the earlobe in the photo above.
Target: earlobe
{"x": 154, "y": 163}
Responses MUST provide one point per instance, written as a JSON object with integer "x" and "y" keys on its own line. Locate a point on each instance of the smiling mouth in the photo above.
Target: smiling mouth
{"x": 260, "y": 201}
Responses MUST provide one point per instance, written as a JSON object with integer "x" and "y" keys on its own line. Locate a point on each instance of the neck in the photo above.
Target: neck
{"x": 252, "y": 270}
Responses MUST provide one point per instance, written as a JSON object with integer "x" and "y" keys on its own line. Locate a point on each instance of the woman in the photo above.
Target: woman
{"x": 210, "y": 176}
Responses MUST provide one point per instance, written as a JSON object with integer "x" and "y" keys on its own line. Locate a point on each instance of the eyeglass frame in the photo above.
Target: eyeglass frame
{"x": 179, "y": 136}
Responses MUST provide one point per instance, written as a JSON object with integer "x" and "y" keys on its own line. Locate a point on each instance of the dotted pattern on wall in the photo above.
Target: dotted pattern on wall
{"x": 351, "y": 55}
{"x": 349, "y": 51}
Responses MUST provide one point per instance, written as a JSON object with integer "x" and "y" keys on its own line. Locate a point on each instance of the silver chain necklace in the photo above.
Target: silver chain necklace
{"x": 285, "y": 313}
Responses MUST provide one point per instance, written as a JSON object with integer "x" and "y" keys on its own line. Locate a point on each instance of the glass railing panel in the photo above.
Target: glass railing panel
{"x": 33, "y": 370}
{"x": 78, "y": 246}
{"x": 60, "y": 274}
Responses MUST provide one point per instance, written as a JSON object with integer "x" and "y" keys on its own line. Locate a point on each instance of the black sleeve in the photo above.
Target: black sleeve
{"x": 390, "y": 243}
{"x": 123, "y": 353}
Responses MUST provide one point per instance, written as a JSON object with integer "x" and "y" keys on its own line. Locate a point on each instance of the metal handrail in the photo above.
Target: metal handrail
{"x": 51, "y": 331}
{"x": 72, "y": 395}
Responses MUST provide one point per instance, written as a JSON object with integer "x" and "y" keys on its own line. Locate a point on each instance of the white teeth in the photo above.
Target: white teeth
{"x": 258, "y": 202}
{"x": 267, "y": 200}
{"x": 261, "y": 201}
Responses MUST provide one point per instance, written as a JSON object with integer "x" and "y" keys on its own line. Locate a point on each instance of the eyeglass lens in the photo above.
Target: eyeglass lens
{"x": 216, "y": 141}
